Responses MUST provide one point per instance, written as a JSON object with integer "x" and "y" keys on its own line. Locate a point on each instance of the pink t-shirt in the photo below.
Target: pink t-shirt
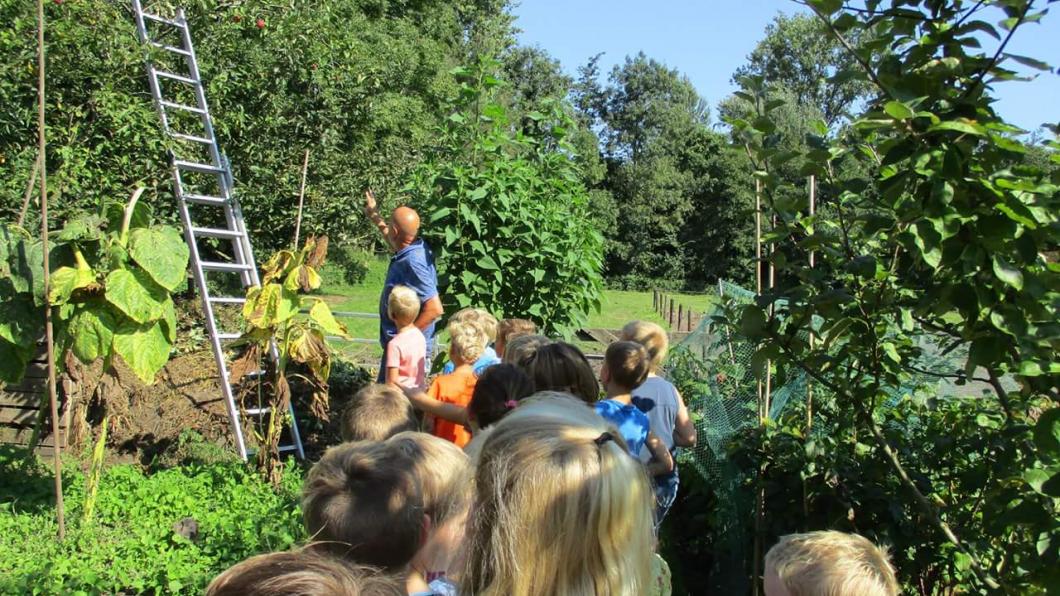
{"x": 407, "y": 352}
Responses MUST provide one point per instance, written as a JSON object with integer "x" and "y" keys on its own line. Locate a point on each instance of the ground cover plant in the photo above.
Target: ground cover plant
{"x": 163, "y": 531}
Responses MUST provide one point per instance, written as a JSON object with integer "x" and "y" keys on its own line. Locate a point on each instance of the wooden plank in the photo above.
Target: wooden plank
{"x": 21, "y": 435}
{"x": 21, "y": 400}
{"x": 17, "y": 416}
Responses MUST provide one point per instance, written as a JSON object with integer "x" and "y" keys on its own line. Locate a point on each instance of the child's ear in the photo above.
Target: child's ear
{"x": 605, "y": 375}
{"x": 426, "y": 531}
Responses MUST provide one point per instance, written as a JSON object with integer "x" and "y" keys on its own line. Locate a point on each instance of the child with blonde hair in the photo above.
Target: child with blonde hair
{"x": 487, "y": 324}
{"x": 362, "y": 503}
{"x": 446, "y": 400}
{"x": 375, "y": 413}
{"x": 444, "y": 475}
{"x": 828, "y": 563}
{"x": 302, "y": 573}
{"x": 662, "y": 403}
{"x": 509, "y": 329}
{"x": 520, "y": 347}
{"x": 406, "y": 352}
{"x": 559, "y": 508}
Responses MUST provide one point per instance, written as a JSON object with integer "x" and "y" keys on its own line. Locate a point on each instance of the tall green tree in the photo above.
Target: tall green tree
{"x": 797, "y": 54}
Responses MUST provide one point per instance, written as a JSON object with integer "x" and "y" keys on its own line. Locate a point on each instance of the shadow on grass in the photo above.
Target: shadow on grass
{"x": 26, "y": 485}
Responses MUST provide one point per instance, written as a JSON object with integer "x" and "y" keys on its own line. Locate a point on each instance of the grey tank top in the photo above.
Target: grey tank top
{"x": 657, "y": 398}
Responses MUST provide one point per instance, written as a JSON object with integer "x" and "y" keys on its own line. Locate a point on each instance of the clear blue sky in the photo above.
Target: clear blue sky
{"x": 708, "y": 39}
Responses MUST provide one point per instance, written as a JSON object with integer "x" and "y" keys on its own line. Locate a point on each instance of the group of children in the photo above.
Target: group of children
{"x": 516, "y": 477}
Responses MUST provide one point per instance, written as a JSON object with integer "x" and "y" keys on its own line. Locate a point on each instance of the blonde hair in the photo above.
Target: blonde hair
{"x": 560, "y": 507}
{"x": 467, "y": 343}
{"x": 442, "y": 470}
{"x": 520, "y": 347}
{"x": 833, "y": 563}
{"x": 302, "y": 573}
{"x": 650, "y": 335}
{"x": 376, "y": 413}
{"x": 361, "y": 502}
{"x": 403, "y": 304}
{"x": 477, "y": 317}
{"x": 509, "y": 328}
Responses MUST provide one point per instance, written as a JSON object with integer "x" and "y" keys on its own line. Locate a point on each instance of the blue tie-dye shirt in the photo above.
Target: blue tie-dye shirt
{"x": 631, "y": 423}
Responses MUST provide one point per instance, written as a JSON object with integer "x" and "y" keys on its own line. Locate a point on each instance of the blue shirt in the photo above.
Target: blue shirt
{"x": 631, "y": 423}
{"x": 412, "y": 266}
{"x": 486, "y": 360}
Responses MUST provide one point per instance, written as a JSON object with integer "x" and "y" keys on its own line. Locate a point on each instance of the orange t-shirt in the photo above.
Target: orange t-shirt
{"x": 453, "y": 388}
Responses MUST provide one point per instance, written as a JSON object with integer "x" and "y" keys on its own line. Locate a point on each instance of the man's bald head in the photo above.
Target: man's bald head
{"x": 404, "y": 225}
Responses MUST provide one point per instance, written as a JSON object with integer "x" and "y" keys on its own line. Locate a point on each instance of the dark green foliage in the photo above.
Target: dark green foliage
{"x": 673, "y": 202}
{"x": 507, "y": 213}
{"x": 941, "y": 242}
{"x": 130, "y": 545}
{"x": 359, "y": 83}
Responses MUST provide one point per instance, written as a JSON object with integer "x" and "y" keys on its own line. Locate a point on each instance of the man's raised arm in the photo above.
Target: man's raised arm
{"x": 371, "y": 209}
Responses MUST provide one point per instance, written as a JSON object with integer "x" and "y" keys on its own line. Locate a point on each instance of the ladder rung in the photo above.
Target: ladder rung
{"x": 192, "y": 138}
{"x": 180, "y": 106}
{"x": 205, "y": 199}
{"x": 227, "y": 300}
{"x": 256, "y": 411}
{"x": 197, "y": 167}
{"x": 216, "y": 233}
{"x": 173, "y": 49}
{"x": 175, "y": 77}
{"x": 286, "y": 448}
{"x": 159, "y": 19}
{"x": 228, "y": 336}
{"x": 230, "y": 267}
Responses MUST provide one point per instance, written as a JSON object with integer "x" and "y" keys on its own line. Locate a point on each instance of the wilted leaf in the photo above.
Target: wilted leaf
{"x": 322, "y": 316}
{"x": 65, "y": 280}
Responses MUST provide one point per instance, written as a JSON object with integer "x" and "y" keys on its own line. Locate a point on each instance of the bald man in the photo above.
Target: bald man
{"x": 412, "y": 265}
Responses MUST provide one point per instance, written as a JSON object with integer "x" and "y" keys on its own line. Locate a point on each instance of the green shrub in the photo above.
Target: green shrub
{"x": 130, "y": 545}
{"x": 507, "y": 215}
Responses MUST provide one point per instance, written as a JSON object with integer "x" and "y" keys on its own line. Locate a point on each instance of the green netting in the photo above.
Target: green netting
{"x": 713, "y": 369}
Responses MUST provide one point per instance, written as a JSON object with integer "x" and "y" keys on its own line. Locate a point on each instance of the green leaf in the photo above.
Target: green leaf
{"x": 898, "y": 110}
{"x": 134, "y": 293}
{"x": 21, "y": 321}
{"x": 826, "y": 7}
{"x": 1007, "y": 273}
{"x": 752, "y": 321}
{"x": 487, "y": 262}
{"x": 162, "y": 253}
{"x": 67, "y": 279}
{"x": 891, "y": 352}
{"x": 92, "y": 332}
{"x": 1036, "y": 478}
{"x": 169, "y": 319}
{"x": 13, "y": 360}
{"x": 322, "y": 316}
{"x": 1047, "y": 432}
{"x": 963, "y": 125}
{"x": 144, "y": 348}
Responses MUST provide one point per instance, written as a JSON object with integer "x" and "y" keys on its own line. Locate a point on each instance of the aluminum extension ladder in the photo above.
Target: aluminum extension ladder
{"x": 219, "y": 171}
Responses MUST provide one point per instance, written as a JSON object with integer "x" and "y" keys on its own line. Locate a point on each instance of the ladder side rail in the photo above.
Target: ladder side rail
{"x": 152, "y": 78}
{"x": 211, "y": 324}
{"x": 238, "y": 247}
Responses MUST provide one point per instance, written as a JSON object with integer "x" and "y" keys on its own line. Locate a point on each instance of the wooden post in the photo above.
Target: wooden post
{"x": 301, "y": 199}
{"x": 655, "y": 300}
{"x": 670, "y": 316}
{"x": 758, "y": 270}
{"x": 680, "y": 315}
{"x": 49, "y": 336}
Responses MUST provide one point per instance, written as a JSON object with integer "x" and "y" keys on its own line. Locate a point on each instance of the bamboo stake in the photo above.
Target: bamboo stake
{"x": 48, "y": 334}
{"x": 301, "y": 199}
{"x": 756, "y": 571}
{"x": 758, "y": 267}
{"x": 772, "y": 286}
{"x": 809, "y": 384}
{"x": 29, "y": 191}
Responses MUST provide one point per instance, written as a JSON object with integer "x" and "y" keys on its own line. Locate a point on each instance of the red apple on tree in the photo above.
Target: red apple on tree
{"x": 260, "y": 23}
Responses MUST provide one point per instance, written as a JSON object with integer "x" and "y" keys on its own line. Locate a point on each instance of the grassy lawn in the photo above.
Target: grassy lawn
{"x": 618, "y": 307}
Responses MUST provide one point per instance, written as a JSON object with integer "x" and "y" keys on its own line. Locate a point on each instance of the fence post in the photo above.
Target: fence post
{"x": 670, "y": 318}
{"x": 655, "y": 300}
{"x": 680, "y": 315}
